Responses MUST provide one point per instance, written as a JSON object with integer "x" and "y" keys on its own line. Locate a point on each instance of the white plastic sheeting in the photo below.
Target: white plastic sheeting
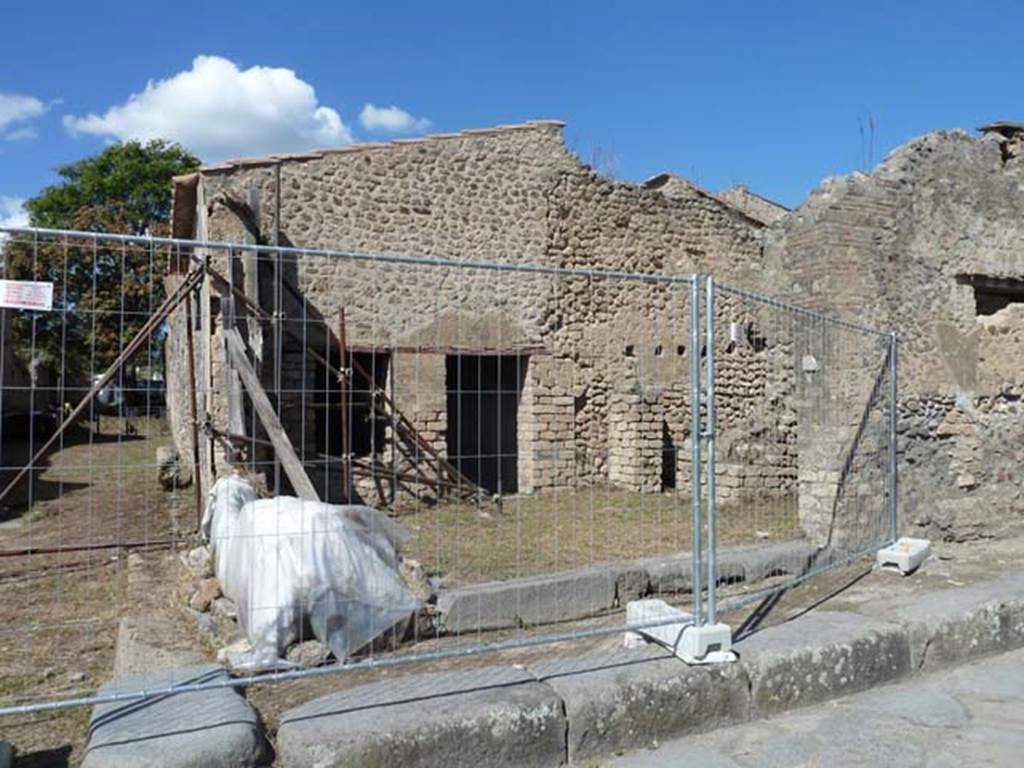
{"x": 284, "y": 561}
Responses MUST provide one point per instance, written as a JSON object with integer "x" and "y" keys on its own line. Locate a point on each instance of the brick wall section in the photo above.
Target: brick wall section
{"x": 886, "y": 248}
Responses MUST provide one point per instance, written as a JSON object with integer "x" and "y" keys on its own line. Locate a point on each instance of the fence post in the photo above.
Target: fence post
{"x": 709, "y": 395}
{"x": 893, "y": 417}
{"x": 695, "y": 440}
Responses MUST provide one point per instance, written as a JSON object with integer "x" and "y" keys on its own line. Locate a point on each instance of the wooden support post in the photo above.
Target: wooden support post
{"x": 251, "y": 280}
{"x": 283, "y": 449}
{"x": 232, "y": 385}
{"x": 278, "y": 315}
{"x": 197, "y": 471}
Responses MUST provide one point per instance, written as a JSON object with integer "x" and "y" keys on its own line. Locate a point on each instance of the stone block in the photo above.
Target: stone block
{"x": 635, "y": 698}
{"x": 671, "y": 574}
{"x": 631, "y": 582}
{"x": 759, "y": 562}
{"x": 188, "y": 730}
{"x": 528, "y": 601}
{"x": 953, "y": 625}
{"x": 487, "y": 717}
{"x": 821, "y": 656}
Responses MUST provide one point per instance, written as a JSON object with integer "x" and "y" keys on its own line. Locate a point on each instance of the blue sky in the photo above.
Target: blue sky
{"x": 770, "y": 94}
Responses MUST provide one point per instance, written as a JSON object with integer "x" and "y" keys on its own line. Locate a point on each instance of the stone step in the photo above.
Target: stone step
{"x": 211, "y": 728}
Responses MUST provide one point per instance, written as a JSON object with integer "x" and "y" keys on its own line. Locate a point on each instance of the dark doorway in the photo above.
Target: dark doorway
{"x": 483, "y": 406}
{"x": 669, "y": 457}
{"x": 366, "y": 429}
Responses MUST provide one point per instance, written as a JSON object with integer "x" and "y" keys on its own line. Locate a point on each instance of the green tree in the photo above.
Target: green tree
{"x": 104, "y": 290}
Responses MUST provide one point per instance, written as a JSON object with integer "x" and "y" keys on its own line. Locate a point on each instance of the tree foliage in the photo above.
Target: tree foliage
{"x": 103, "y": 290}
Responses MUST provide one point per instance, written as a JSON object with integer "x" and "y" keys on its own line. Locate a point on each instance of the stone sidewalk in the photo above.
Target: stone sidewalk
{"x": 608, "y": 700}
{"x": 575, "y": 703}
{"x": 970, "y": 716}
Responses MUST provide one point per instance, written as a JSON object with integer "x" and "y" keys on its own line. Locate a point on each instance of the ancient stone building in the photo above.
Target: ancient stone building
{"x": 529, "y": 381}
{"x": 931, "y": 243}
{"x": 754, "y": 205}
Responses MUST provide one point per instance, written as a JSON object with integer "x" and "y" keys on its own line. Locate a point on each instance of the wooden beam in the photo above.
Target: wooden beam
{"x": 232, "y": 383}
{"x": 283, "y": 448}
{"x": 251, "y": 278}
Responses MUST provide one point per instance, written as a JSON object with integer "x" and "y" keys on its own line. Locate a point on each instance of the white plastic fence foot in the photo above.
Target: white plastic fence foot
{"x": 709, "y": 644}
{"x": 905, "y": 554}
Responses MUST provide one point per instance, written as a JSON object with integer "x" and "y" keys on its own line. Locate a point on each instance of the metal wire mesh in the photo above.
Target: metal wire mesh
{"x": 803, "y": 450}
{"x": 532, "y": 428}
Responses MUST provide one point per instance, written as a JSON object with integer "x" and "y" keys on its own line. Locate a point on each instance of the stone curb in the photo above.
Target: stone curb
{"x": 585, "y": 592}
{"x": 628, "y": 699}
{"x": 489, "y": 717}
{"x": 215, "y": 728}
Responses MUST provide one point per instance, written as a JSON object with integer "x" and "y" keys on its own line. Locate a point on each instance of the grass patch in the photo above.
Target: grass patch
{"x": 560, "y": 530}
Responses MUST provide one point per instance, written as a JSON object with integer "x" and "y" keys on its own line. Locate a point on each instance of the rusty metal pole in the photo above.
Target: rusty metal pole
{"x": 344, "y": 379}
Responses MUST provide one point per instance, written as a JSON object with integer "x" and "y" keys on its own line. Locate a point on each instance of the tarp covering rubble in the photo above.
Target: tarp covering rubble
{"x": 285, "y": 561}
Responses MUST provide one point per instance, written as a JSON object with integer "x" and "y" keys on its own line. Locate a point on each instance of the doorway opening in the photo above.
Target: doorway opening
{"x": 483, "y": 394}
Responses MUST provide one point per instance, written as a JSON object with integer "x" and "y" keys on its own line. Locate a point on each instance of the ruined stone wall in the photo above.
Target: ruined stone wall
{"x": 755, "y": 206}
{"x": 513, "y": 195}
{"x": 893, "y": 248}
{"x": 631, "y": 341}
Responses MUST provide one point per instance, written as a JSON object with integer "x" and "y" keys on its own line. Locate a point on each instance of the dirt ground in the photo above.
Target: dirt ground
{"x": 59, "y": 614}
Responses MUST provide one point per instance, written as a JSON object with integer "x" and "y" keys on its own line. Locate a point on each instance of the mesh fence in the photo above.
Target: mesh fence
{"x": 508, "y": 454}
{"x": 803, "y": 447}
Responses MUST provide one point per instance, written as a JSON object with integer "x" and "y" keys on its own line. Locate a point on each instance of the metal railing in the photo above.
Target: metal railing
{"x": 556, "y": 441}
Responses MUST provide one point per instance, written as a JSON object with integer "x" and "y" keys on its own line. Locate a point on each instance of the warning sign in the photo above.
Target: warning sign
{"x": 26, "y": 294}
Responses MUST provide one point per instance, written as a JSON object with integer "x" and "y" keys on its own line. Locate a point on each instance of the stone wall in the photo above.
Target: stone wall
{"x": 514, "y": 195}
{"x": 756, "y": 207}
{"x": 903, "y": 247}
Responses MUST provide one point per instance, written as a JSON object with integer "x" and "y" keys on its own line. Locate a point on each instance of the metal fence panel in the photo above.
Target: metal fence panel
{"x": 542, "y": 432}
{"x": 803, "y": 449}
{"x": 530, "y": 426}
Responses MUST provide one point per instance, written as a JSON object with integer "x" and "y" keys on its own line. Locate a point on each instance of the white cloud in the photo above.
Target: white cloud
{"x": 17, "y": 108}
{"x": 22, "y": 134}
{"x": 12, "y": 213}
{"x": 391, "y": 120}
{"x": 217, "y": 111}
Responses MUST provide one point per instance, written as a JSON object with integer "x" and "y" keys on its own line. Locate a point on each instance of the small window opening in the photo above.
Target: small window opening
{"x": 630, "y": 352}
{"x": 993, "y": 294}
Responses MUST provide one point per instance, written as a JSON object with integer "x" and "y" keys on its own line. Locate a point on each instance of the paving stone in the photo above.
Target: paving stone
{"x": 633, "y": 698}
{"x": 922, "y": 722}
{"x": 490, "y": 717}
{"x": 530, "y": 601}
{"x": 204, "y": 729}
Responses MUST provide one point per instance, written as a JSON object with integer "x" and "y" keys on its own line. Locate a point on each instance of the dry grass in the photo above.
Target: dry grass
{"x": 59, "y": 615}
{"x": 562, "y": 530}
